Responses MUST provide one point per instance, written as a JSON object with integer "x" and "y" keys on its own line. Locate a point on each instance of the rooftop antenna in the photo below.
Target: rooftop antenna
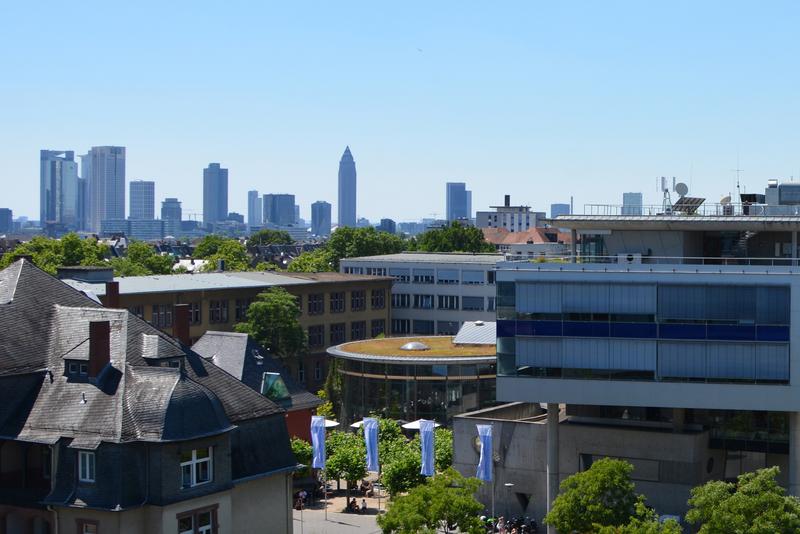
{"x": 738, "y": 171}
{"x": 666, "y": 205}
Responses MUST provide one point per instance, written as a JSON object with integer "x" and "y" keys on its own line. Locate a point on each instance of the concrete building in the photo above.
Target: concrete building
{"x": 6, "y": 220}
{"x": 631, "y": 203}
{"x": 559, "y": 209}
{"x": 215, "y": 194}
{"x": 388, "y": 226}
{"x": 669, "y": 345}
{"x": 434, "y": 293}
{"x": 347, "y": 190}
{"x": 59, "y": 193}
{"x": 512, "y": 218}
{"x": 254, "y": 211}
{"x": 103, "y": 168}
{"x": 335, "y": 307}
{"x": 321, "y": 218}
{"x": 143, "y": 200}
{"x": 279, "y": 209}
{"x": 458, "y": 202}
{"x": 171, "y": 214}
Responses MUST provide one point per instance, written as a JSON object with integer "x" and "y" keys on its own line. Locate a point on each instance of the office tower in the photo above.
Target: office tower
{"x": 215, "y": 194}
{"x": 279, "y": 209}
{"x": 347, "y": 189}
{"x": 459, "y": 201}
{"x": 58, "y": 188}
{"x": 631, "y": 203}
{"x": 104, "y": 169}
{"x": 143, "y": 200}
{"x": 254, "y": 213}
{"x": 321, "y": 218}
{"x": 388, "y": 226}
{"x": 171, "y": 214}
{"x": 559, "y": 209}
{"x": 296, "y": 214}
{"x": 6, "y": 220}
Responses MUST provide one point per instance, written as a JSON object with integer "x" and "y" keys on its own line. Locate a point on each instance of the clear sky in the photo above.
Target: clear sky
{"x": 541, "y": 100}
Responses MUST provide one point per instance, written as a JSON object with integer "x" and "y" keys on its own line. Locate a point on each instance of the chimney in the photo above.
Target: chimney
{"x": 112, "y": 295}
{"x": 180, "y": 323}
{"x": 99, "y": 346}
{"x": 508, "y": 201}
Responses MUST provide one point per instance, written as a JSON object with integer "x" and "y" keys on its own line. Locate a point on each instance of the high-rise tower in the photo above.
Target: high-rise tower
{"x": 254, "y": 212}
{"x": 215, "y": 194}
{"x": 347, "y": 189}
{"x": 321, "y": 218}
{"x": 143, "y": 200}
{"x": 459, "y": 201}
{"x": 58, "y": 188}
{"x": 103, "y": 168}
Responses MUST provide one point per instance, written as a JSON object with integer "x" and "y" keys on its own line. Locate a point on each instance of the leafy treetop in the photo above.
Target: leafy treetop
{"x": 49, "y": 254}
{"x": 272, "y": 320}
{"x": 269, "y": 237}
{"x": 453, "y": 238}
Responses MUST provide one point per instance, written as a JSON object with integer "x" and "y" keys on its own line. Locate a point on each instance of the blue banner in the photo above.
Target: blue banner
{"x": 318, "y": 441}
{"x": 371, "y": 440}
{"x": 485, "y": 462}
{"x": 426, "y": 440}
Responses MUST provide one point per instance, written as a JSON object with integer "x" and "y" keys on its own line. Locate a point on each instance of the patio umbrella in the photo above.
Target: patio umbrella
{"x": 330, "y": 423}
{"x": 414, "y": 425}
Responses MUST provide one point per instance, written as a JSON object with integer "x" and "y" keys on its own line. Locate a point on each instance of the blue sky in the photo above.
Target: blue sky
{"x": 539, "y": 100}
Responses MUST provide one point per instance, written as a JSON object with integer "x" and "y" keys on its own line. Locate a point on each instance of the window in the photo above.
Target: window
{"x": 196, "y": 467}
{"x": 358, "y": 300}
{"x": 218, "y": 311}
{"x": 353, "y": 270}
{"x": 490, "y": 277}
{"x": 376, "y": 271}
{"x": 447, "y": 276}
{"x": 83, "y": 369}
{"x": 401, "y": 276}
{"x": 401, "y": 300}
{"x": 316, "y": 304}
{"x": 137, "y": 310}
{"x": 318, "y": 371}
{"x": 447, "y": 328}
{"x": 423, "y": 302}
{"x": 316, "y": 335}
{"x": 337, "y": 333}
{"x": 423, "y": 276}
{"x": 337, "y": 302}
{"x": 87, "y": 526}
{"x": 378, "y": 327}
{"x": 240, "y": 308}
{"x": 162, "y": 315}
{"x": 472, "y": 277}
{"x": 195, "y": 313}
{"x": 86, "y": 466}
{"x": 448, "y": 302}
{"x": 472, "y": 303}
{"x": 490, "y": 304}
{"x": 401, "y": 326}
{"x": 358, "y": 330}
{"x": 301, "y": 372}
{"x": 424, "y": 328}
{"x": 200, "y": 521}
{"x": 378, "y": 299}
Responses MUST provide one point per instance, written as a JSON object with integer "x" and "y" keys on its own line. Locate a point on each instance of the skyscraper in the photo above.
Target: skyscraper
{"x": 279, "y": 209}
{"x": 559, "y": 209}
{"x": 215, "y": 194}
{"x": 103, "y": 168}
{"x": 254, "y": 213}
{"x": 6, "y": 220}
{"x": 58, "y": 188}
{"x": 347, "y": 189}
{"x": 143, "y": 200}
{"x": 459, "y": 201}
{"x": 171, "y": 214}
{"x": 321, "y": 218}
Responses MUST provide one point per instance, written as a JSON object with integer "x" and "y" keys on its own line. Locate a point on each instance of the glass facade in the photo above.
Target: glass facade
{"x": 415, "y": 391}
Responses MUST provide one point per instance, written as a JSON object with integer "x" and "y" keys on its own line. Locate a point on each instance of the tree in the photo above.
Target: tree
{"x": 303, "y": 452}
{"x": 326, "y": 408}
{"x": 315, "y": 261}
{"x": 602, "y": 496}
{"x": 346, "y": 458}
{"x": 453, "y": 238}
{"x": 400, "y": 471}
{"x": 347, "y": 242}
{"x": 268, "y": 237}
{"x": 232, "y": 253}
{"x": 444, "y": 501}
{"x": 333, "y": 386}
{"x": 754, "y": 504}
{"x": 141, "y": 259}
{"x": 208, "y": 246}
{"x": 645, "y": 521}
{"x": 49, "y": 254}
{"x": 443, "y": 449}
{"x": 272, "y": 320}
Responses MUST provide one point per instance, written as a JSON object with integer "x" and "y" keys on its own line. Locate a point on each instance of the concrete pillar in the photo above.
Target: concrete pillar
{"x": 574, "y": 245}
{"x": 678, "y": 419}
{"x": 794, "y": 453}
{"x": 552, "y": 457}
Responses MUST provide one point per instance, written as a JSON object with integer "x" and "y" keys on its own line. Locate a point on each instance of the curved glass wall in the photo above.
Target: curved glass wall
{"x": 415, "y": 391}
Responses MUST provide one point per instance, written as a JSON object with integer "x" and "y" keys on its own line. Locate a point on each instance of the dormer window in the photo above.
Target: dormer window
{"x": 76, "y": 369}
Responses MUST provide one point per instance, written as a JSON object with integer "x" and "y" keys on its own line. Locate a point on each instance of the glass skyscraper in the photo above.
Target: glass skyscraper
{"x": 215, "y": 194}
{"x": 459, "y": 201}
{"x": 143, "y": 200}
{"x": 103, "y": 168}
{"x": 321, "y": 218}
{"x": 347, "y": 189}
{"x": 58, "y": 188}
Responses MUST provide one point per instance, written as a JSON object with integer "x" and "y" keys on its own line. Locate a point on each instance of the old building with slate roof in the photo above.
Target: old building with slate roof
{"x": 109, "y": 425}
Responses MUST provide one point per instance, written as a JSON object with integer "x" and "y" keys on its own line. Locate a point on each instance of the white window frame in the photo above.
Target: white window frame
{"x": 193, "y": 465}
{"x": 86, "y": 466}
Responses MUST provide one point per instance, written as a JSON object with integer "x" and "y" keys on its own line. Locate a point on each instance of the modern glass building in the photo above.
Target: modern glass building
{"x": 415, "y": 378}
{"x": 347, "y": 190}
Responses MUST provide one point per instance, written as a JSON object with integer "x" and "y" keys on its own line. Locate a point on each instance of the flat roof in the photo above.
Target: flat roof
{"x": 441, "y": 351}
{"x": 432, "y": 257}
{"x": 679, "y": 222}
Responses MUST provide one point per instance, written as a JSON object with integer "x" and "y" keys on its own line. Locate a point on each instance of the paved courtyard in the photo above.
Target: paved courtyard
{"x": 313, "y": 518}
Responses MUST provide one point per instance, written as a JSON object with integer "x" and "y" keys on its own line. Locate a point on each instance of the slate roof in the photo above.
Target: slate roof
{"x": 238, "y": 355}
{"x": 44, "y": 322}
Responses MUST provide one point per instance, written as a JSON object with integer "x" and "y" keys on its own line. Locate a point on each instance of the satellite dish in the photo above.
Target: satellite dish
{"x": 681, "y": 188}
{"x": 725, "y": 200}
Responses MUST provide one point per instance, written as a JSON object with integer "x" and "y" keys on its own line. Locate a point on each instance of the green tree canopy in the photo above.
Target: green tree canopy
{"x": 347, "y": 242}
{"x": 141, "y": 259}
{"x": 49, "y": 254}
{"x": 346, "y": 457}
{"x": 232, "y": 253}
{"x": 755, "y": 504}
{"x": 314, "y": 261}
{"x": 453, "y": 238}
{"x": 443, "y": 501}
{"x": 272, "y": 320}
{"x": 303, "y": 452}
{"x": 601, "y": 496}
{"x": 269, "y": 237}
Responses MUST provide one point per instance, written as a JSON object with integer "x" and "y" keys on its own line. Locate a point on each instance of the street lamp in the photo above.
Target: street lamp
{"x": 508, "y": 486}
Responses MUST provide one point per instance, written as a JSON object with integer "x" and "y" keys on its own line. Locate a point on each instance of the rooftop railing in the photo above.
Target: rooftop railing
{"x": 705, "y": 210}
{"x": 632, "y": 260}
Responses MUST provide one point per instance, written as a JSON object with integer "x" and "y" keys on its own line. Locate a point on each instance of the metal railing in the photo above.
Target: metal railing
{"x": 633, "y": 260}
{"x": 704, "y": 210}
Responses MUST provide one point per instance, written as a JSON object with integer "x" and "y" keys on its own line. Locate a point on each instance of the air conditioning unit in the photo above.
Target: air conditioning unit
{"x": 631, "y": 258}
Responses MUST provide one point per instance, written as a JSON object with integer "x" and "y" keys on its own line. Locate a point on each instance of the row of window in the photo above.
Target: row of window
{"x": 301, "y": 371}
{"x": 428, "y": 276}
{"x": 444, "y": 302}
{"x": 424, "y": 328}
{"x": 337, "y": 301}
{"x": 337, "y": 332}
{"x": 196, "y": 467}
